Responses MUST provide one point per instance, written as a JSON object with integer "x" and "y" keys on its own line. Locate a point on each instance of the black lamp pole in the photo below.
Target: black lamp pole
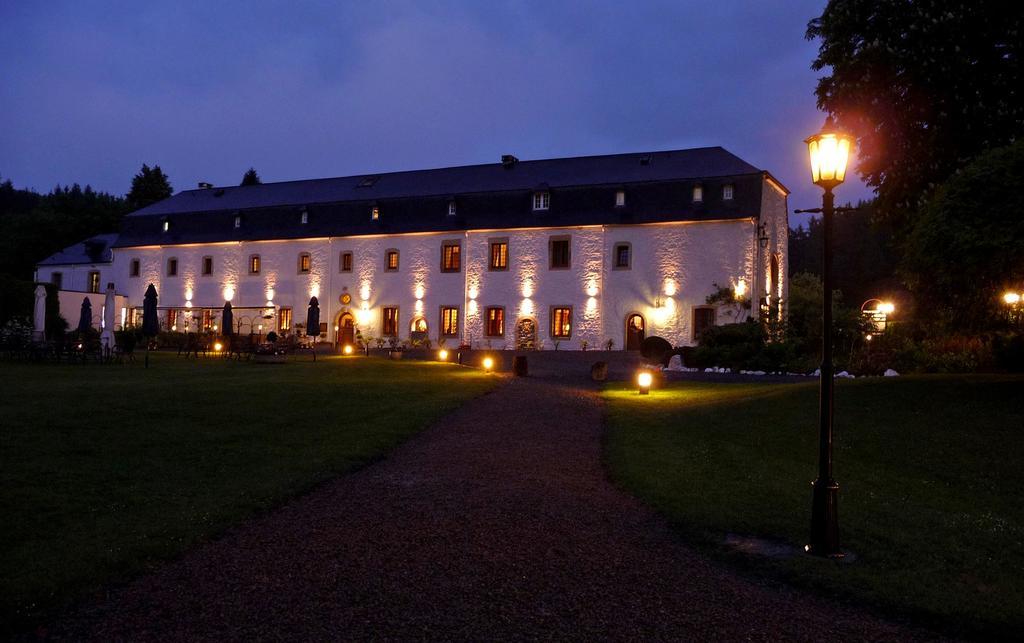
{"x": 825, "y": 501}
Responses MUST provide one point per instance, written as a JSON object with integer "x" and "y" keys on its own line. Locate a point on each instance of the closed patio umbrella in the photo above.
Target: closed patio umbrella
{"x": 150, "y": 323}
{"x": 39, "y": 314}
{"x": 85, "y": 320}
{"x": 313, "y": 318}
{"x": 109, "y": 310}
{"x": 227, "y": 320}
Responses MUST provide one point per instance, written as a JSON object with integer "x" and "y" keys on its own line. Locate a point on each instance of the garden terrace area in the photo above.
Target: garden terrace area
{"x": 107, "y": 471}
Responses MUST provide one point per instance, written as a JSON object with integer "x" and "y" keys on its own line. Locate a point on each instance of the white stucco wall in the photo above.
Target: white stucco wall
{"x": 75, "y": 277}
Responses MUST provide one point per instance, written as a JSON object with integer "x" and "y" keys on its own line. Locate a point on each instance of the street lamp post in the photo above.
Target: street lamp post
{"x": 829, "y": 154}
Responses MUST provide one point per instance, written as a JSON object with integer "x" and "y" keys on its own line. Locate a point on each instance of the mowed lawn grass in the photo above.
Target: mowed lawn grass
{"x": 931, "y": 474}
{"x": 106, "y": 470}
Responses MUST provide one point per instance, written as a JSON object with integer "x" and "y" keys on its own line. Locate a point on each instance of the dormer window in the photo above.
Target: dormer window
{"x": 374, "y": 213}
{"x": 541, "y": 200}
{"x": 167, "y": 225}
{"x": 698, "y": 193}
{"x": 727, "y": 192}
{"x": 238, "y": 221}
{"x": 304, "y": 218}
{"x": 451, "y": 208}
{"x": 620, "y": 198}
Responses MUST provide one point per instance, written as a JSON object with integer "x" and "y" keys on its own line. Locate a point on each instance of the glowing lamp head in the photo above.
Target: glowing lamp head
{"x": 829, "y": 153}
{"x": 886, "y": 307}
{"x": 347, "y": 350}
{"x": 488, "y": 364}
{"x": 1011, "y": 298}
{"x": 218, "y": 347}
{"x": 442, "y": 355}
{"x": 643, "y": 382}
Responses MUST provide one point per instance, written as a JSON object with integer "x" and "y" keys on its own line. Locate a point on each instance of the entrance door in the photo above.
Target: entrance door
{"x": 635, "y": 331}
{"x": 347, "y": 330}
{"x": 526, "y": 334}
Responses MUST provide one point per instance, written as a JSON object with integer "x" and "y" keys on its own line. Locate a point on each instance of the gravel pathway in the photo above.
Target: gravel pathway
{"x": 497, "y": 523}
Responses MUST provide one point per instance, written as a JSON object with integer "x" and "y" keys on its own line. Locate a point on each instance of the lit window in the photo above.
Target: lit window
{"x": 346, "y": 262}
{"x": 622, "y": 255}
{"x": 561, "y": 322}
{"x": 559, "y": 253}
{"x": 390, "y": 321}
{"x": 541, "y": 200}
{"x": 254, "y": 264}
{"x": 172, "y": 319}
{"x": 305, "y": 262}
{"x": 620, "y": 198}
{"x": 418, "y": 325}
{"x": 698, "y": 193}
{"x": 207, "y": 265}
{"x": 304, "y": 218}
{"x": 374, "y": 213}
{"x": 449, "y": 321}
{"x": 134, "y": 268}
{"x": 499, "y": 255}
{"x": 451, "y": 208}
{"x": 57, "y": 279}
{"x": 238, "y": 221}
{"x": 703, "y": 318}
{"x": 494, "y": 318}
{"x": 727, "y": 192}
{"x": 391, "y": 260}
{"x": 167, "y": 225}
{"x": 207, "y": 320}
{"x": 451, "y": 256}
{"x": 284, "y": 318}
{"x": 172, "y": 267}
{"x": 94, "y": 281}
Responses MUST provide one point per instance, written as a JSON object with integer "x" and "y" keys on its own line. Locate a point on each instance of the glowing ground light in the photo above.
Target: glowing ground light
{"x": 488, "y": 364}
{"x": 347, "y": 350}
{"x": 1011, "y": 298}
{"x": 442, "y": 355}
{"x": 218, "y": 347}
{"x": 643, "y": 381}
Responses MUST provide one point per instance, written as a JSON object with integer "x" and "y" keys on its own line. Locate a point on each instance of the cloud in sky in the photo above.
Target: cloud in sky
{"x": 312, "y": 89}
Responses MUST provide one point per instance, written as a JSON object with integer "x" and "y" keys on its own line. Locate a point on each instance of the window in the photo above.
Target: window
{"x": 418, "y": 325}
{"x": 698, "y": 193}
{"x": 451, "y": 256}
{"x": 172, "y": 267}
{"x": 561, "y": 322}
{"x": 254, "y": 264}
{"x": 703, "y": 318}
{"x": 284, "y": 319}
{"x": 559, "y": 252}
{"x": 620, "y": 198}
{"x": 304, "y": 217}
{"x": 621, "y": 256}
{"x": 368, "y": 181}
{"x": 391, "y": 260}
{"x": 305, "y": 262}
{"x": 449, "y": 321}
{"x": 238, "y": 221}
{"x": 207, "y": 265}
{"x": 207, "y": 320}
{"x": 57, "y": 279}
{"x": 451, "y": 208}
{"x": 494, "y": 318}
{"x": 94, "y": 281}
{"x": 541, "y": 200}
{"x": 346, "y": 262}
{"x": 167, "y": 225}
{"x": 134, "y": 268}
{"x": 390, "y": 321}
{"x": 727, "y": 192}
{"x": 172, "y": 319}
{"x": 374, "y": 213}
{"x": 499, "y": 255}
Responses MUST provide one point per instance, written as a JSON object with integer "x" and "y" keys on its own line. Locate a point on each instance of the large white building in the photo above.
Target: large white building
{"x": 511, "y": 254}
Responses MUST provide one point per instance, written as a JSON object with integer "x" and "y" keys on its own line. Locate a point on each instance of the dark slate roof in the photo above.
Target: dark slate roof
{"x": 92, "y": 250}
{"x": 658, "y": 188}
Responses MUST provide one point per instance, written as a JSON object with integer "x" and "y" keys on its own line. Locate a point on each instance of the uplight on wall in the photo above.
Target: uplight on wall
{"x": 419, "y": 292}
{"x": 740, "y": 289}
{"x": 670, "y": 288}
{"x": 229, "y": 293}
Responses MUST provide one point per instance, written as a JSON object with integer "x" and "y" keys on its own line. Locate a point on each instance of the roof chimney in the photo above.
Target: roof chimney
{"x": 508, "y": 161}
{"x": 203, "y": 185}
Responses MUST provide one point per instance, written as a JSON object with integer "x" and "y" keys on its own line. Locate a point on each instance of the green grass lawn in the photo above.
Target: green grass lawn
{"x": 106, "y": 470}
{"x": 931, "y": 474}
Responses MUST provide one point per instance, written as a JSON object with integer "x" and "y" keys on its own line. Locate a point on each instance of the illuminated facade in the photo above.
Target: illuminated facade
{"x": 509, "y": 255}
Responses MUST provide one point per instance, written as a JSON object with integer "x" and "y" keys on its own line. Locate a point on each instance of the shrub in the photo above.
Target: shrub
{"x": 1008, "y": 351}
{"x": 271, "y": 337}
{"x": 656, "y": 350}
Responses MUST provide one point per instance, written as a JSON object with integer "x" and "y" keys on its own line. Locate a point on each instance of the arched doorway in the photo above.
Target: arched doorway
{"x": 526, "y": 334}
{"x": 418, "y": 331}
{"x": 346, "y": 330}
{"x": 636, "y": 330}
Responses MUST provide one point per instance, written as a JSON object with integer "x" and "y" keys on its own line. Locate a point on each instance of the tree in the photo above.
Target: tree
{"x": 967, "y": 245}
{"x": 924, "y": 85}
{"x": 251, "y": 178}
{"x": 148, "y": 186}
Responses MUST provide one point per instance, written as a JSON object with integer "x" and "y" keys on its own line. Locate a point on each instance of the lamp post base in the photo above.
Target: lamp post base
{"x": 825, "y": 520}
